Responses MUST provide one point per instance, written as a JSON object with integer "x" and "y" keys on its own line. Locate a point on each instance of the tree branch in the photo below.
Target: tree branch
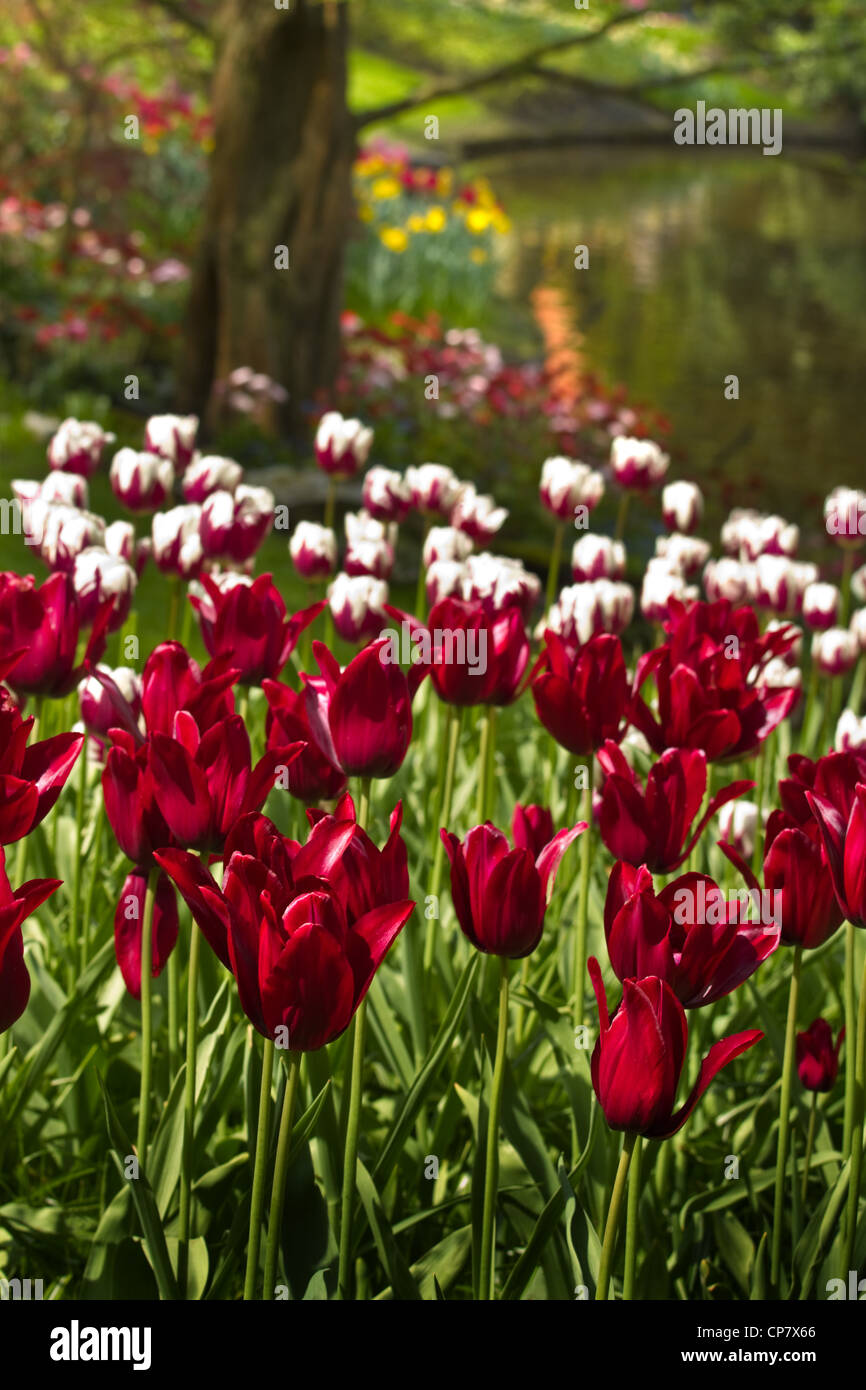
{"x": 180, "y": 12}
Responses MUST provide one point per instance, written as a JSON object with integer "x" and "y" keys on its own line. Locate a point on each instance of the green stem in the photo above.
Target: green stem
{"x": 785, "y": 1116}
{"x": 454, "y": 720}
{"x": 622, "y": 514}
{"x": 96, "y": 856}
{"x": 421, "y": 586}
{"x": 353, "y": 1121}
{"x": 631, "y": 1223}
{"x": 612, "y": 1222}
{"x": 146, "y": 1015}
{"x": 806, "y": 739}
{"x": 847, "y": 571}
{"x": 75, "y": 924}
{"x": 184, "y": 1219}
{"x": 553, "y": 571}
{"x": 483, "y": 754}
{"x": 850, "y": 1038}
{"x": 258, "y": 1194}
{"x": 21, "y": 852}
{"x": 810, "y": 1144}
{"x": 578, "y": 981}
{"x": 857, "y": 1129}
{"x": 487, "y": 1261}
{"x": 278, "y": 1194}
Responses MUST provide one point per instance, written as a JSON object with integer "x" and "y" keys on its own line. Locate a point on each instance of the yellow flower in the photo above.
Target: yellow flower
{"x": 477, "y": 220}
{"x": 500, "y": 223}
{"x": 365, "y": 212}
{"x": 394, "y": 238}
{"x": 436, "y": 219}
{"x": 478, "y": 255}
{"x": 416, "y": 223}
{"x": 444, "y": 182}
{"x": 385, "y": 188}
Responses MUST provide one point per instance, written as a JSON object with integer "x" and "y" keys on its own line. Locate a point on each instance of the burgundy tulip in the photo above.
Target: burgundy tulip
{"x": 43, "y": 623}
{"x": 689, "y": 935}
{"x": 15, "y": 906}
{"x": 476, "y": 658}
{"x": 845, "y": 844}
{"x": 500, "y": 894}
{"x": 312, "y": 776}
{"x": 248, "y": 627}
{"x": 796, "y": 864}
{"x": 531, "y": 828}
{"x": 31, "y": 778}
{"x": 638, "y": 1059}
{"x": 653, "y": 826}
{"x": 129, "y": 922}
{"x": 818, "y": 1056}
{"x": 581, "y": 694}
{"x": 362, "y": 717}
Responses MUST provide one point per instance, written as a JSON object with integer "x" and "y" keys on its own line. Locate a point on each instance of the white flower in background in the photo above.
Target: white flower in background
{"x": 173, "y": 436}
{"x": 858, "y": 627}
{"x": 738, "y": 821}
{"x": 499, "y": 583}
{"x": 793, "y": 655}
{"x": 433, "y": 488}
{"x": 177, "y": 546}
{"x": 597, "y": 557}
{"x": 682, "y": 507}
{"x": 835, "y": 651}
{"x": 119, "y": 540}
{"x": 64, "y": 532}
{"x": 234, "y": 527}
{"x": 637, "y": 464}
{"x": 858, "y": 584}
{"x": 341, "y": 446}
{"x": 845, "y": 516}
{"x": 566, "y": 484}
{"x": 386, "y": 495}
{"x": 751, "y": 534}
{"x": 374, "y": 557}
{"x": 361, "y": 527}
{"x": 660, "y": 585}
{"x": 141, "y": 481}
{"x": 730, "y": 579}
{"x": 821, "y": 604}
{"x": 313, "y": 549}
{"x": 850, "y": 732}
{"x": 207, "y": 473}
{"x": 582, "y": 610}
{"x": 776, "y": 674}
{"x": 357, "y": 604}
{"x": 57, "y": 489}
{"x": 98, "y": 710}
{"x": 445, "y": 543}
{"x": 477, "y": 515}
{"x": 685, "y": 555}
{"x": 97, "y": 577}
{"x": 781, "y": 583}
{"x": 77, "y": 446}
{"x": 444, "y": 579}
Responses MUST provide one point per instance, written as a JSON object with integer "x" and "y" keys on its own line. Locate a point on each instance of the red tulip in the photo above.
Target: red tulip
{"x": 248, "y": 627}
{"x": 15, "y": 906}
{"x": 43, "y": 623}
{"x": 796, "y": 863}
{"x": 531, "y": 828}
{"x": 129, "y": 922}
{"x": 172, "y": 681}
{"x": 689, "y": 935}
{"x": 818, "y": 1056}
{"x": 638, "y": 1059}
{"x": 581, "y": 694}
{"x": 500, "y": 894}
{"x": 301, "y": 958}
{"x": 129, "y": 792}
{"x": 474, "y": 658}
{"x": 31, "y": 778}
{"x": 362, "y": 717}
{"x": 312, "y": 775}
{"x": 845, "y": 844}
{"x": 652, "y": 827}
{"x": 708, "y": 676}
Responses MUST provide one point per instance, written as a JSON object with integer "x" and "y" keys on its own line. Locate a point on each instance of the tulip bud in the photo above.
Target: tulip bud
{"x": 374, "y": 557}
{"x": 172, "y": 436}
{"x": 177, "y": 546}
{"x": 57, "y": 489}
{"x": 497, "y": 583}
{"x": 818, "y": 1056}
{"x": 684, "y": 555}
{"x": 682, "y": 507}
{"x": 97, "y": 577}
{"x": 65, "y": 532}
{"x": 477, "y": 515}
{"x": 386, "y": 494}
{"x": 341, "y": 446}
{"x": 77, "y": 446}
{"x": 781, "y": 583}
{"x": 597, "y": 557}
{"x": 567, "y": 484}
{"x": 142, "y": 482}
{"x": 443, "y": 579}
{"x": 858, "y": 627}
{"x": 208, "y": 473}
{"x": 98, "y": 710}
{"x": 445, "y": 543}
{"x": 313, "y": 549}
{"x": 821, "y": 606}
{"x": 845, "y": 516}
{"x": 357, "y": 604}
{"x": 637, "y": 464}
{"x": 850, "y": 732}
{"x": 835, "y": 651}
{"x": 730, "y": 579}
{"x": 433, "y": 488}
{"x": 234, "y": 527}
{"x": 659, "y": 587}
{"x": 738, "y": 822}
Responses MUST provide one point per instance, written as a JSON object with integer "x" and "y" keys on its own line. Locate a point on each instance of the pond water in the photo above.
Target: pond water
{"x": 703, "y": 265}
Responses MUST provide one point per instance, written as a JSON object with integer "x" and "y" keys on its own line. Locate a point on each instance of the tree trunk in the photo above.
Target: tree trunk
{"x": 280, "y": 177}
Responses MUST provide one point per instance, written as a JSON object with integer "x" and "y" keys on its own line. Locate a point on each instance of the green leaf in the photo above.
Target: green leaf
{"x": 402, "y": 1283}
{"x": 736, "y": 1249}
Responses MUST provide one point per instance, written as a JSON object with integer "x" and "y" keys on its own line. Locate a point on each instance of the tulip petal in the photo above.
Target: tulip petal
{"x": 719, "y": 1055}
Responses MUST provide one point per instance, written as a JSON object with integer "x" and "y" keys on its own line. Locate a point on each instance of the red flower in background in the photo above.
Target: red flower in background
{"x": 312, "y": 775}
{"x": 581, "y": 694}
{"x": 15, "y": 906}
{"x": 247, "y": 625}
{"x": 362, "y": 716}
{"x": 652, "y": 826}
{"x": 43, "y": 624}
{"x": 476, "y": 658}
{"x": 638, "y": 1059}
{"x": 31, "y": 778}
{"x": 818, "y": 1056}
{"x": 129, "y": 923}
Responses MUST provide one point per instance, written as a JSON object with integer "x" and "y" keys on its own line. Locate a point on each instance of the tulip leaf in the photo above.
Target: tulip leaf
{"x": 736, "y": 1248}
{"x": 402, "y": 1283}
{"x": 758, "y": 1286}
{"x": 426, "y": 1076}
{"x": 823, "y": 1225}
{"x": 166, "y": 1148}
